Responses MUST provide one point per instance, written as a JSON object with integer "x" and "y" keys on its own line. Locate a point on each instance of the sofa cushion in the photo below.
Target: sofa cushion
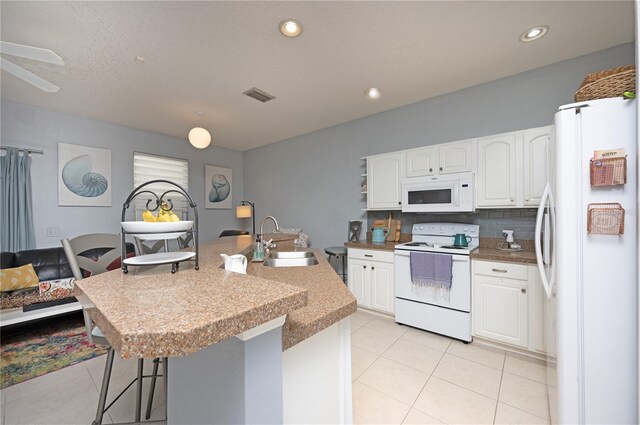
{"x": 7, "y": 260}
{"x": 49, "y": 263}
{"x": 18, "y": 278}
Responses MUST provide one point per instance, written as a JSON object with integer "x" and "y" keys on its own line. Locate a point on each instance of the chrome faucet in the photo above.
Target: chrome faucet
{"x": 265, "y": 219}
{"x": 268, "y": 244}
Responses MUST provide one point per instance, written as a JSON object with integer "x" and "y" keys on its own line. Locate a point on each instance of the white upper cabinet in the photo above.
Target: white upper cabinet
{"x": 536, "y": 148}
{"x": 511, "y": 169}
{"x": 496, "y": 179}
{"x": 455, "y": 157}
{"x": 422, "y": 161}
{"x": 446, "y": 158}
{"x": 384, "y": 180}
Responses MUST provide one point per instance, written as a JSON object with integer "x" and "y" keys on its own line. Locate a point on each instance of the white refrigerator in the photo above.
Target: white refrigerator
{"x": 590, "y": 280}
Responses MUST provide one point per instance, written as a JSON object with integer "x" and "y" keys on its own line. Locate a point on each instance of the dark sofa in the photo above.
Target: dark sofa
{"x": 49, "y": 264}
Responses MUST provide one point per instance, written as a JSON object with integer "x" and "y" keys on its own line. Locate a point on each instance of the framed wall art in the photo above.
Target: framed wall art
{"x": 84, "y": 176}
{"x": 217, "y": 187}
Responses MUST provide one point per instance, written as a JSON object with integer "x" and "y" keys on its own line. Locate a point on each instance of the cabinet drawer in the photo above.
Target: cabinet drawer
{"x": 371, "y": 255}
{"x": 505, "y": 270}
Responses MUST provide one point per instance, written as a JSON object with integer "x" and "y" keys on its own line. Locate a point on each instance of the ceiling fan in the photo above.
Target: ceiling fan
{"x": 33, "y": 53}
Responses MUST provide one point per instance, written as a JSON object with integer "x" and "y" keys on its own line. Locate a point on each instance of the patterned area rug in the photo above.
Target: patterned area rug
{"x": 37, "y": 349}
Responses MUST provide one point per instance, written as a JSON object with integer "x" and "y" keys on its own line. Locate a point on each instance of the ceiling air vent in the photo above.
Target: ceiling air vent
{"x": 258, "y": 94}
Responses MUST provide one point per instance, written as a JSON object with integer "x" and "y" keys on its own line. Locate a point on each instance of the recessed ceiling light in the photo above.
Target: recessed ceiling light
{"x": 290, "y": 28}
{"x": 534, "y": 33}
{"x": 373, "y": 93}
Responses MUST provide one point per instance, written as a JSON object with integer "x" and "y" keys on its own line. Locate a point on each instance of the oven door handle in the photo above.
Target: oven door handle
{"x": 462, "y": 258}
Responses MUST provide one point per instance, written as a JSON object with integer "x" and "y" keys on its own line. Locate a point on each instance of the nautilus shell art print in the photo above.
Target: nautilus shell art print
{"x": 79, "y": 178}
{"x": 220, "y": 188}
{"x": 217, "y": 187}
{"x": 84, "y": 176}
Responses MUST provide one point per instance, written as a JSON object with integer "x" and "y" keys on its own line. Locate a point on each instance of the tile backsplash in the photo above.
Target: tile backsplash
{"x": 492, "y": 222}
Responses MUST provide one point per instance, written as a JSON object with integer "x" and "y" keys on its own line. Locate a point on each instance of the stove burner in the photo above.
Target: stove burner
{"x": 455, "y": 247}
{"x": 416, "y": 244}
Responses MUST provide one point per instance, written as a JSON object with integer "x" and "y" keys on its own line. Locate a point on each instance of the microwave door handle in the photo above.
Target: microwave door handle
{"x": 456, "y": 194}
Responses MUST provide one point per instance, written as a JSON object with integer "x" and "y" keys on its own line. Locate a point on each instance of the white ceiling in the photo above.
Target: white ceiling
{"x": 201, "y": 56}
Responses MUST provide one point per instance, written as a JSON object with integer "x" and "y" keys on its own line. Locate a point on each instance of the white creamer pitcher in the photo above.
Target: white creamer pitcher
{"x": 235, "y": 263}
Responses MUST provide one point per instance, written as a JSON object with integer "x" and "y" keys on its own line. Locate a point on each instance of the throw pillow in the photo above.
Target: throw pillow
{"x": 53, "y": 289}
{"x": 18, "y": 278}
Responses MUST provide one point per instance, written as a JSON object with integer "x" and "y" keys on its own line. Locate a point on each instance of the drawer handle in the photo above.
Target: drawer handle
{"x": 368, "y": 255}
{"x": 499, "y": 270}
{"x": 523, "y": 290}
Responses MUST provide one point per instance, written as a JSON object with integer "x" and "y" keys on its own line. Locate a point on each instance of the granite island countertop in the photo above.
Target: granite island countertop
{"x": 150, "y": 312}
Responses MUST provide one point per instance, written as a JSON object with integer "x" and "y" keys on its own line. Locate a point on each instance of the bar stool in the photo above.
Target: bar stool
{"x": 338, "y": 251}
{"x": 73, "y": 248}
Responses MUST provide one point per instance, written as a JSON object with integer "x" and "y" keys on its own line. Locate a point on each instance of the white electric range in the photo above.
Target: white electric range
{"x": 421, "y": 309}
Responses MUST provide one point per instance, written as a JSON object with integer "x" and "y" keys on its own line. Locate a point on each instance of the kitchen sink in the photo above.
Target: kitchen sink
{"x": 291, "y": 254}
{"x": 290, "y": 259}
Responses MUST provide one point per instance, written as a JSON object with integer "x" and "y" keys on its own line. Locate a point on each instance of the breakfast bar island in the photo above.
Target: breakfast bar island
{"x": 271, "y": 346}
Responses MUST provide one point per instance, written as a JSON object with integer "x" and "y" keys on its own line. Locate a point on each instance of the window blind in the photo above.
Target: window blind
{"x": 152, "y": 167}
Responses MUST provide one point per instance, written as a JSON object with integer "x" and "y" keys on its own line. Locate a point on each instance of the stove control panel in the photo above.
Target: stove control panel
{"x": 445, "y": 229}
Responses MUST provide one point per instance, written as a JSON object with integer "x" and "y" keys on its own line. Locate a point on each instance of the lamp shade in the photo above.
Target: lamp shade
{"x": 243, "y": 211}
{"x": 199, "y": 137}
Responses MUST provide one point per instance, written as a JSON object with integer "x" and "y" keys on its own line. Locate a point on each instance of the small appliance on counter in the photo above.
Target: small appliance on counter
{"x": 509, "y": 243}
{"x": 445, "y": 308}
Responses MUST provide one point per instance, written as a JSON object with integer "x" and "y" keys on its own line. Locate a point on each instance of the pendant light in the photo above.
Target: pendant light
{"x": 198, "y": 136}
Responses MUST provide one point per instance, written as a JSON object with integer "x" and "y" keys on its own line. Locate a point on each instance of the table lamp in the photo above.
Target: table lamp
{"x": 245, "y": 210}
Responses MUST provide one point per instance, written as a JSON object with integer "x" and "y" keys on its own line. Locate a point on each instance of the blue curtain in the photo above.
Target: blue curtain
{"x": 16, "y": 215}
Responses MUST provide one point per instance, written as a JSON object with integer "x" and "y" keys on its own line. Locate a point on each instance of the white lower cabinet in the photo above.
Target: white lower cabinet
{"x": 371, "y": 278}
{"x": 508, "y": 304}
{"x": 382, "y": 291}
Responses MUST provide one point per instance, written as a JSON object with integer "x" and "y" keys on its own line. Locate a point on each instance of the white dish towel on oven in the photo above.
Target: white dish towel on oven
{"x": 431, "y": 274}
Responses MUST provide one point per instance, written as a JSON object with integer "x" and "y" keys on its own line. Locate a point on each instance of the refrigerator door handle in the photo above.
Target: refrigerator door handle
{"x": 546, "y": 284}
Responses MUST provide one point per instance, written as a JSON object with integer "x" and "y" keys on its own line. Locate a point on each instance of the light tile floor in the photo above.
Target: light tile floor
{"x": 70, "y": 395}
{"x": 401, "y": 376}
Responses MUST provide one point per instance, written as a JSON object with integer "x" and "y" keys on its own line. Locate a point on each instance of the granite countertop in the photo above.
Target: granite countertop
{"x": 386, "y": 246}
{"x": 150, "y": 312}
{"x": 488, "y": 250}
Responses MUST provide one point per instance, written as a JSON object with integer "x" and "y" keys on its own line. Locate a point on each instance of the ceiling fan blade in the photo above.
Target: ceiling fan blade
{"x": 29, "y": 52}
{"x": 27, "y": 76}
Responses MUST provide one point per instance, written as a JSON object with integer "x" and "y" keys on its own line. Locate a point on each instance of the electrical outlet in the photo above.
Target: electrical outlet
{"x": 53, "y": 232}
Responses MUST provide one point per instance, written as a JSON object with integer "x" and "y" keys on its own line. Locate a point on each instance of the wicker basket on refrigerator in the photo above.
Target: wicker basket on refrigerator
{"x": 608, "y": 83}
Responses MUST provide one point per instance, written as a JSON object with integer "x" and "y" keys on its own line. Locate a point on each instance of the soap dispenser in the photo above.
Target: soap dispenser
{"x": 258, "y": 249}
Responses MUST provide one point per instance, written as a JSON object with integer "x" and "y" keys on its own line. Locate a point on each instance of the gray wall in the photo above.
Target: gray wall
{"x": 313, "y": 181}
{"x": 28, "y": 126}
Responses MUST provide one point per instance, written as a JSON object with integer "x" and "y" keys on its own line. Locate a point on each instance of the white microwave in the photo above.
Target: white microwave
{"x": 445, "y": 193}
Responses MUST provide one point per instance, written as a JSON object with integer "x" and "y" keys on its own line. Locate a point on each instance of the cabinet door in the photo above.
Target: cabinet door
{"x": 496, "y": 177}
{"x": 384, "y": 179}
{"x": 422, "y": 162}
{"x": 536, "y": 149}
{"x": 455, "y": 158}
{"x": 500, "y": 310}
{"x": 359, "y": 280}
{"x": 382, "y": 291}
